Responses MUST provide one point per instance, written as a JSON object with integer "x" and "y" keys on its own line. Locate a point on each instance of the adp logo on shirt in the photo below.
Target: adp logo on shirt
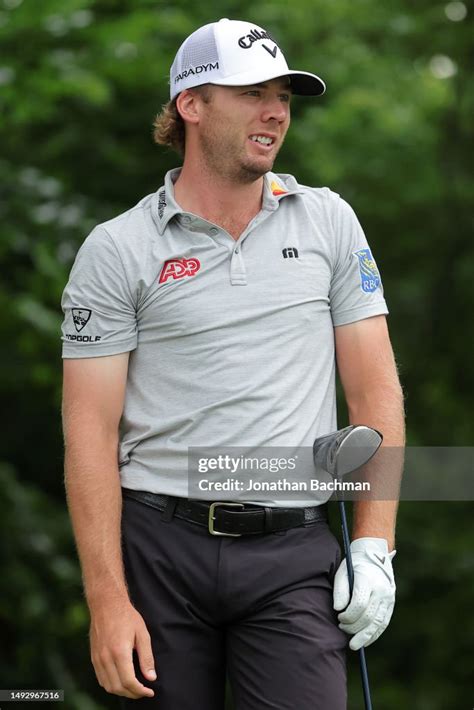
{"x": 178, "y": 269}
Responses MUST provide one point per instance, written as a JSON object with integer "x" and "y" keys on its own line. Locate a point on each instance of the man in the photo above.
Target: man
{"x": 212, "y": 314}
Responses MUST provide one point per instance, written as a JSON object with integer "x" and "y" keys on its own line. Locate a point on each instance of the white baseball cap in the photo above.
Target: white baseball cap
{"x": 235, "y": 53}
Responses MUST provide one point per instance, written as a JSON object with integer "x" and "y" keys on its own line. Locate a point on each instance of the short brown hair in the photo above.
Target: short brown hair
{"x": 169, "y": 127}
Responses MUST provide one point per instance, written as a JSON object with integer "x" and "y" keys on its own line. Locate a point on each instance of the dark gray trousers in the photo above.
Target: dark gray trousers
{"x": 258, "y": 607}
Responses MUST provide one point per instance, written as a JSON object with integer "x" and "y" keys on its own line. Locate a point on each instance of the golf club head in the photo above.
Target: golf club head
{"x": 346, "y": 450}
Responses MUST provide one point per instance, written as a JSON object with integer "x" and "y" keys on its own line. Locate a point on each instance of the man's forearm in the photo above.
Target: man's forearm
{"x": 383, "y": 410}
{"x": 95, "y": 504}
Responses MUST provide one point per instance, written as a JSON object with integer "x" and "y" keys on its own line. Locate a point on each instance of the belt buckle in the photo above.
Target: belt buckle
{"x": 212, "y": 517}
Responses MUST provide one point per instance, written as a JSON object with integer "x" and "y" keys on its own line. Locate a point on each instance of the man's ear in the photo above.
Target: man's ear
{"x": 187, "y": 105}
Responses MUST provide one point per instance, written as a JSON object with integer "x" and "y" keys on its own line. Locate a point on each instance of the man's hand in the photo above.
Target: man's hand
{"x": 116, "y": 629}
{"x": 373, "y": 597}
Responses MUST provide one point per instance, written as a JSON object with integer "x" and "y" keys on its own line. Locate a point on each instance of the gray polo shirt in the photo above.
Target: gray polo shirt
{"x": 232, "y": 342}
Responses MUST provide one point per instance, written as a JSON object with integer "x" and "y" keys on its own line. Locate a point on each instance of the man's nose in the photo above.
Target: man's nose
{"x": 275, "y": 109}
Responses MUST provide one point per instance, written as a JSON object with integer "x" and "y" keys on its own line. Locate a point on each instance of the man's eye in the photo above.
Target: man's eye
{"x": 285, "y": 97}
{"x": 254, "y": 92}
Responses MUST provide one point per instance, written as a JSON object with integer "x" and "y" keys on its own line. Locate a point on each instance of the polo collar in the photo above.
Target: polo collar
{"x": 276, "y": 187}
{"x": 164, "y": 206}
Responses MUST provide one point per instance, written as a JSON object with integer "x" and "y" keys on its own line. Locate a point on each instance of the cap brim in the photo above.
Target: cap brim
{"x": 302, "y": 83}
{"x": 306, "y": 84}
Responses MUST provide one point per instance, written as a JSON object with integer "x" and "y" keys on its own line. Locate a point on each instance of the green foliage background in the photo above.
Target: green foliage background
{"x": 80, "y": 83}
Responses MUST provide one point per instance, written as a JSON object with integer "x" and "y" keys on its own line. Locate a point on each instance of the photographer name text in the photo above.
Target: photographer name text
{"x": 283, "y": 484}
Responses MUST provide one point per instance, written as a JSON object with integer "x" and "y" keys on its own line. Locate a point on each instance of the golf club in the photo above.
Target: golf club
{"x": 340, "y": 453}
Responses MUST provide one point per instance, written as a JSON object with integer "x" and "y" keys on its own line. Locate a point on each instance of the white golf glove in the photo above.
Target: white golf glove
{"x": 373, "y": 598}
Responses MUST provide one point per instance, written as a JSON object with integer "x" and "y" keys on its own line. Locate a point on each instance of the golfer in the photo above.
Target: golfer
{"x": 213, "y": 314}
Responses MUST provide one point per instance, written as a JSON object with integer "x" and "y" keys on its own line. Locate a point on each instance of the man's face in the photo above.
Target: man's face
{"x": 242, "y": 128}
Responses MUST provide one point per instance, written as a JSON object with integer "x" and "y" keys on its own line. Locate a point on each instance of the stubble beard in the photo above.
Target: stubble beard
{"x": 229, "y": 161}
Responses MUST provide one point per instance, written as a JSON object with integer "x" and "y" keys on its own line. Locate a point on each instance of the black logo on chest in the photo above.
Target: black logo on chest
{"x": 290, "y": 253}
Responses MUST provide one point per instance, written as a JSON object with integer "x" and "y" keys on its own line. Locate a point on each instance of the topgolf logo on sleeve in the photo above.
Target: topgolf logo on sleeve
{"x": 81, "y": 317}
{"x": 369, "y": 274}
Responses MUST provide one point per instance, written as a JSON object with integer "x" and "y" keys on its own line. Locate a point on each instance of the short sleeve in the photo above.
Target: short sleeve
{"x": 97, "y": 302}
{"x": 356, "y": 290}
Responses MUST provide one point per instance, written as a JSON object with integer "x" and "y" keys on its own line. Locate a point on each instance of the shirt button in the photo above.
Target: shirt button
{"x": 186, "y": 220}
{"x": 237, "y": 250}
{"x": 213, "y": 230}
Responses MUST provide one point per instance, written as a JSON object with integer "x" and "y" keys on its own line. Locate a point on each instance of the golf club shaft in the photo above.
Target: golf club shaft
{"x": 350, "y": 574}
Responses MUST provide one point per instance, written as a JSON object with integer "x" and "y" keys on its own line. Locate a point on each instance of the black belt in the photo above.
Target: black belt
{"x": 229, "y": 518}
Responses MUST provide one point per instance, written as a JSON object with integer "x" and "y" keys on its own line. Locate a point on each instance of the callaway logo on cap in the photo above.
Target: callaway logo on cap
{"x": 235, "y": 53}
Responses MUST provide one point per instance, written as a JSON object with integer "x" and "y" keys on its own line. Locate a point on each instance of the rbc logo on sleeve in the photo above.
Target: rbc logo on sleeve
{"x": 369, "y": 274}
